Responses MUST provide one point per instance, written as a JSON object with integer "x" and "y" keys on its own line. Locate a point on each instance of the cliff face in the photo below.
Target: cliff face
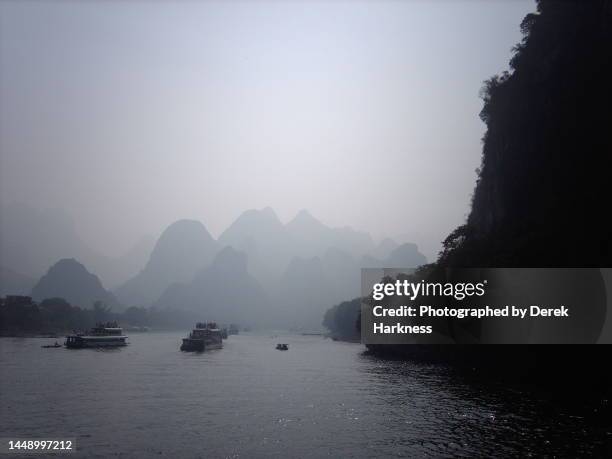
{"x": 542, "y": 191}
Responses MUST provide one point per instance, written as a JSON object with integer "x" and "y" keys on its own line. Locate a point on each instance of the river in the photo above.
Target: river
{"x": 319, "y": 399}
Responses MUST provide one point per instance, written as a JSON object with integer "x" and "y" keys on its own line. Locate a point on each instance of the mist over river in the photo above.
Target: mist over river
{"x": 320, "y": 399}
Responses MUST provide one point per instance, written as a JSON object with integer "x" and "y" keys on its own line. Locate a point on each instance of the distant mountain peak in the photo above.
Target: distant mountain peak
{"x": 304, "y": 213}
{"x": 304, "y": 217}
{"x": 181, "y": 241}
{"x": 68, "y": 264}
{"x": 253, "y": 225}
{"x": 185, "y": 224}
{"x": 181, "y": 232}
{"x": 406, "y": 255}
{"x": 269, "y": 211}
{"x": 384, "y": 248}
{"x": 183, "y": 248}
{"x": 266, "y": 213}
{"x": 70, "y": 280}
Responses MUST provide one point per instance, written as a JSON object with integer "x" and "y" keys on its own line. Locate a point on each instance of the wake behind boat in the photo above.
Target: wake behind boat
{"x": 204, "y": 337}
{"x": 102, "y": 335}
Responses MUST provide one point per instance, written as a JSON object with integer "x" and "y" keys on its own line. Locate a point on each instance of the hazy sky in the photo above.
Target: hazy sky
{"x": 130, "y": 115}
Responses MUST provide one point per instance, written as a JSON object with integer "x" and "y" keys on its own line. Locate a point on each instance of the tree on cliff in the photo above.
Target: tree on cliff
{"x": 542, "y": 191}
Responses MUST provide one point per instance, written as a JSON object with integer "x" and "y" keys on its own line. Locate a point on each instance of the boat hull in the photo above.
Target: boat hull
{"x": 192, "y": 345}
{"x": 82, "y": 342}
{"x": 198, "y": 345}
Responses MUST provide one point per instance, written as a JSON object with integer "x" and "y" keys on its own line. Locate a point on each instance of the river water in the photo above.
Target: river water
{"x": 319, "y": 399}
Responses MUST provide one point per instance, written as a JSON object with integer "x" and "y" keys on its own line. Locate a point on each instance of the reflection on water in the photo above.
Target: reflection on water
{"x": 321, "y": 398}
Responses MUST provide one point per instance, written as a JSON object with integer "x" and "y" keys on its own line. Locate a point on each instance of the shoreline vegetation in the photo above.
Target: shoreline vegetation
{"x": 344, "y": 321}
{"x": 21, "y": 317}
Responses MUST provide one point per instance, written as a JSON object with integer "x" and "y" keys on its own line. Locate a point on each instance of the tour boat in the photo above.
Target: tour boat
{"x": 204, "y": 337}
{"x": 102, "y": 335}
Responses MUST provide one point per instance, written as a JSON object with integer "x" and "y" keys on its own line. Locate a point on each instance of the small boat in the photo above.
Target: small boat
{"x": 282, "y": 347}
{"x": 204, "y": 337}
{"x": 52, "y": 346}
